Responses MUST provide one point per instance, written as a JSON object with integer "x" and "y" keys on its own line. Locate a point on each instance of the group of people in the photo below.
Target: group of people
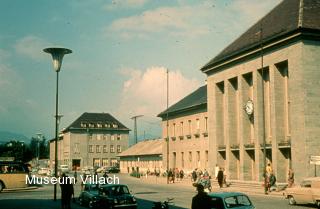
{"x": 175, "y": 175}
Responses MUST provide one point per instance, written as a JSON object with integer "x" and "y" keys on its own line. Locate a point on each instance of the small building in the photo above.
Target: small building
{"x": 94, "y": 139}
{"x": 142, "y": 156}
{"x": 187, "y": 132}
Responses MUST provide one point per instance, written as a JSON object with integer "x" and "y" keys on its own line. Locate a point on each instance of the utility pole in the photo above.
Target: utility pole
{"x": 134, "y": 118}
{"x": 38, "y": 147}
{"x": 167, "y": 138}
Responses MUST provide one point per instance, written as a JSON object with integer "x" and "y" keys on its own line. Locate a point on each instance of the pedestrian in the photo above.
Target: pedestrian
{"x": 205, "y": 173}
{"x": 290, "y": 178}
{"x": 67, "y": 191}
{"x": 105, "y": 176}
{"x": 220, "y": 177}
{"x": 272, "y": 180}
{"x": 75, "y": 175}
{"x": 181, "y": 174}
{"x": 201, "y": 200}
{"x": 216, "y": 171}
{"x": 266, "y": 182}
{"x": 194, "y": 175}
{"x": 269, "y": 169}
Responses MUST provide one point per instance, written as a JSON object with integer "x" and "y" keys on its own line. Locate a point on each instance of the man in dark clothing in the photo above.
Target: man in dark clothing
{"x": 220, "y": 177}
{"x": 194, "y": 175}
{"x": 201, "y": 200}
{"x": 66, "y": 192}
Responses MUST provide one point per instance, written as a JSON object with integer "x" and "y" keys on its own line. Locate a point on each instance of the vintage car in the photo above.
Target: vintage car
{"x": 307, "y": 192}
{"x": 222, "y": 200}
{"x": 115, "y": 196}
{"x": 112, "y": 170}
{"x": 89, "y": 195}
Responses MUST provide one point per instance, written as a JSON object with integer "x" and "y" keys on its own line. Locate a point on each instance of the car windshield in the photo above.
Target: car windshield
{"x": 236, "y": 201}
{"x": 115, "y": 190}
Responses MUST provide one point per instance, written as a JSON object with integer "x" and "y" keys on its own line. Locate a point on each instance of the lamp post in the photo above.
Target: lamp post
{"x": 57, "y": 56}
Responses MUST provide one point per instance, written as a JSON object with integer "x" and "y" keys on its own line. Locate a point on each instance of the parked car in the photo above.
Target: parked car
{"x": 88, "y": 170}
{"x": 44, "y": 171}
{"x": 112, "y": 170}
{"x": 64, "y": 168}
{"x": 115, "y": 196}
{"x": 222, "y": 200}
{"x": 89, "y": 195}
{"x": 307, "y": 192}
{"x": 101, "y": 169}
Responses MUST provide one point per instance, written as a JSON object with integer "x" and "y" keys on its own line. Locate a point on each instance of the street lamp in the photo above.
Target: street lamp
{"x": 57, "y": 56}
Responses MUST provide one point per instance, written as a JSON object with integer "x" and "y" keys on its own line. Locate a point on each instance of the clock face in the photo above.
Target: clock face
{"x": 249, "y": 107}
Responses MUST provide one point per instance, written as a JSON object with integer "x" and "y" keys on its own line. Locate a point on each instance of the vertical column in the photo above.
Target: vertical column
{"x": 233, "y": 127}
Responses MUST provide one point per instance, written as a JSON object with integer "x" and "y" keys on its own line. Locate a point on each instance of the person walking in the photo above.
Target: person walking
{"x": 194, "y": 175}
{"x": 220, "y": 178}
{"x": 67, "y": 191}
{"x": 216, "y": 171}
{"x": 201, "y": 200}
{"x": 290, "y": 178}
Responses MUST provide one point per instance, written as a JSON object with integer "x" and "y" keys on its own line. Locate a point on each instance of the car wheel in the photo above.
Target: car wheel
{"x": 318, "y": 204}
{"x": 1, "y": 186}
{"x": 292, "y": 201}
{"x": 91, "y": 204}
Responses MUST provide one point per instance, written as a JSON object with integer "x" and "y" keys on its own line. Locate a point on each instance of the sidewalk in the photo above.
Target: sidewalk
{"x": 253, "y": 188}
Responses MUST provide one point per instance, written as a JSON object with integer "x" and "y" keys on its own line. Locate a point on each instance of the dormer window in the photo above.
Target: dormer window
{"x": 83, "y": 125}
{"x": 91, "y": 125}
{"x": 114, "y": 125}
{"x": 99, "y": 125}
{"x": 107, "y": 125}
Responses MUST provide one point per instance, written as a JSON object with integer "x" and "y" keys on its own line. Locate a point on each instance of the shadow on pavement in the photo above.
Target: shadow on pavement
{"x": 34, "y": 204}
{"x": 147, "y": 204}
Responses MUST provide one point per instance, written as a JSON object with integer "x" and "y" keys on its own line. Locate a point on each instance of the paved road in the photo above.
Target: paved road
{"x": 146, "y": 193}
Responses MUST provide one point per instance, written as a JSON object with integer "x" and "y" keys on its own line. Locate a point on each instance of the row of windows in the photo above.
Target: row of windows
{"x": 190, "y": 157}
{"x": 98, "y": 125}
{"x": 97, "y": 162}
{"x": 104, "y": 148}
{"x": 112, "y": 137}
{"x": 186, "y": 129}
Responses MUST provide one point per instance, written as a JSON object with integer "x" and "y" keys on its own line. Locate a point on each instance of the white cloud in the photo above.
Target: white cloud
{"x": 172, "y": 20}
{"x": 191, "y": 20}
{"x": 32, "y": 46}
{"x": 125, "y": 4}
{"x": 145, "y": 92}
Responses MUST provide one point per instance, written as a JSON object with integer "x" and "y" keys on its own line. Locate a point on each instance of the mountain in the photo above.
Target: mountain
{"x": 6, "y": 136}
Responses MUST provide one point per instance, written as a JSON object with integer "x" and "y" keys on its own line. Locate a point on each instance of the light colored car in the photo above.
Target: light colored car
{"x": 223, "y": 200}
{"x": 307, "y": 192}
{"x": 44, "y": 171}
{"x": 64, "y": 168}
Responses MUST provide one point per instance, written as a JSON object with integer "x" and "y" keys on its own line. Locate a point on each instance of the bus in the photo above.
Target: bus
{"x": 13, "y": 175}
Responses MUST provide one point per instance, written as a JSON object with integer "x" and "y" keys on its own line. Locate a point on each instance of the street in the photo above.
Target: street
{"x": 146, "y": 193}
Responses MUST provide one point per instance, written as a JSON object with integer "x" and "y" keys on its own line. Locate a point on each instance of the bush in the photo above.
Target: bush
{"x": 135, "y": 174}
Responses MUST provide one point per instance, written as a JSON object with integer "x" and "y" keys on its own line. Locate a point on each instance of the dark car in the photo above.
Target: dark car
{"x": 89, "y": 195}
{"x": 112, "y": 170}
{"x": 223, "y": 200}
{"x": 115, "y": 196}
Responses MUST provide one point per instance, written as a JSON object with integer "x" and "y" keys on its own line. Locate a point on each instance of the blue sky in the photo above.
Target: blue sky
{"x": 121, "y": 49}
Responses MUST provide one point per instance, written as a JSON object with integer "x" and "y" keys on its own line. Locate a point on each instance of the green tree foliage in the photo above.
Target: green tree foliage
{"x": 25, "y": 152}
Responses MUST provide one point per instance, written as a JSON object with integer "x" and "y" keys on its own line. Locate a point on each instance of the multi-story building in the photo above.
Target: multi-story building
{"x": 186, "y": 132}
{"x": 263, "y": 95}
{"x": 94, "y": 139}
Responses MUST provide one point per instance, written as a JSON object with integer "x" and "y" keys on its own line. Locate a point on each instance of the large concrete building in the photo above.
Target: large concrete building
{"x": 264, "y": 95}
{"x": 94, "y": 139}
{"x": 187, "y": 131}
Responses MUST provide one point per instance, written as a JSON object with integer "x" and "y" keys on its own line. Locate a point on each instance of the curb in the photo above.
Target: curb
{"x": 21, "y": 189}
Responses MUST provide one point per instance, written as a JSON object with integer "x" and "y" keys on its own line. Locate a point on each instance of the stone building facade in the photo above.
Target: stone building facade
{"x": 94, "y": 139}
{"x": 187, "y": 132}
{"x": 143, "y": 156}
{"x": 263, "y": 95}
